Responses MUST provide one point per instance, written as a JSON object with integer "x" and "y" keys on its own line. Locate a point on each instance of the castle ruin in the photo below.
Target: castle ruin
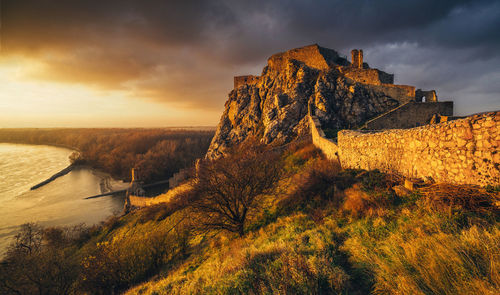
{"x": 416, "y": 107}
{"x": 463, "y": 151}
{"x": 357, "y": 58}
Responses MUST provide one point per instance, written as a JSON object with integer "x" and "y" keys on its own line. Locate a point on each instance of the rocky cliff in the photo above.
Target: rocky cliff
{"x": 274, "y": 106}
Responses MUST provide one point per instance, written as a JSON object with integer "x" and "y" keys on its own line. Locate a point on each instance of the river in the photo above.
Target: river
{"x": 58, "y": 203}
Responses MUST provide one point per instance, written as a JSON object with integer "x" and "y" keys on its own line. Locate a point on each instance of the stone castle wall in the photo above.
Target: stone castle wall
{"x": 411, "y": 114}
{"x": 365, "y": 76}
{"x": 386, "y": 79}
{"x": 368, "y": 76}
{"x": 310, "y": 55}
{"x": 464, "y": 151}
{"x": 327, "y": 146}
{"x": 136, "y": 201}
{"x": 177, "y": 184}
{"x": 402, "y": 93}
{"x": 430, "y": 95}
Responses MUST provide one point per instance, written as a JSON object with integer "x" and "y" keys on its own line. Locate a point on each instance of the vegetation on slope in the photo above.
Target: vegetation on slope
{"x": 158, "y": 153}
{"x": 322, "y": 231}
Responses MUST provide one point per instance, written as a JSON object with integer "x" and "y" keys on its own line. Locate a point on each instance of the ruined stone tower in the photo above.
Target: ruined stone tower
{"x": 357, "y": 58}
{"x": 430, "y": 95}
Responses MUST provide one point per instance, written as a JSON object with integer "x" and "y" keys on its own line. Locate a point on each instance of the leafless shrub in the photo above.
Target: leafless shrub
{"x": 228, "y": 189}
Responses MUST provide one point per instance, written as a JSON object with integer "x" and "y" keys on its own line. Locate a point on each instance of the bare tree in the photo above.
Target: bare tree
{"x": 39, "y": 261}
{"x": 228, "y": 189}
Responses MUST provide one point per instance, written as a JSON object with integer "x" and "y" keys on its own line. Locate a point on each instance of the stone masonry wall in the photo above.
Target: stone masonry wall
{"x": 410, "y": 115}
{"x": 365, "y": 76}
{"x": 430, "y": 95}
{"x": 464, "y": 151}
{"x": 357, "y": 58}
{"x": 136, "y": 201}
{"x": 327, "y": 146}
{"x": 403, "y": 93}
{"x": 368, "y": 76}
{"x": 310, "y": 55}
{"x": 386, "y": 78}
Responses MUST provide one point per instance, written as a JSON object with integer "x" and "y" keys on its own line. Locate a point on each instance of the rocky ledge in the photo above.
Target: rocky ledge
{"x": 273, "y": 107}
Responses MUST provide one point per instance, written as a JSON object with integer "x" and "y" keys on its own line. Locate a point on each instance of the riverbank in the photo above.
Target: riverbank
{"x": 59, "y": 202}
{"x": 116, "y": 150}
{"x": 105, "y": 183}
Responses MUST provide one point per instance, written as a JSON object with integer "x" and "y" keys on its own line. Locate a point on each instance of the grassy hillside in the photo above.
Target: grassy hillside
{"x": 322, "y": 230}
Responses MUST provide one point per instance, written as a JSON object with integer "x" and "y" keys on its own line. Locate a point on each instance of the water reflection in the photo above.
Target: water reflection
{"x": 57, "y": 203}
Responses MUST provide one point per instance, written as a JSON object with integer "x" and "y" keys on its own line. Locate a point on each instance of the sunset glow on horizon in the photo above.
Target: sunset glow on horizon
{"x": 163, "y": 63}
{"x": 33, "y": 103}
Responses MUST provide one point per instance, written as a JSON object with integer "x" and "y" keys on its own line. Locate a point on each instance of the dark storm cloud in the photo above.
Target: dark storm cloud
{"x": 186, "y": 52}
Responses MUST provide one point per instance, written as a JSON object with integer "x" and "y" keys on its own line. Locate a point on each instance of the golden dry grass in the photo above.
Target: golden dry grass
{"x": 361, "y": 203}
{"x": 289, "y": 256}
{"x": 439, "y": 263}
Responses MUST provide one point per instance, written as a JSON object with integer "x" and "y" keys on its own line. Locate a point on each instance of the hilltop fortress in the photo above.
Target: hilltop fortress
{"x": 416, "y": 108}
{"x": 314, "y": 91}
{"x": 317, "y": 80}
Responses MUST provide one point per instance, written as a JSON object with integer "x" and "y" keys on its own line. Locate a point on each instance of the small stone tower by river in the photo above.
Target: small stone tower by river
{"x": 135, "y": 189}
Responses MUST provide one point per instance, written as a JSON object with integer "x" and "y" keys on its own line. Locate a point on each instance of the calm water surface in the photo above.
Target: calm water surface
{"x": 58, "y": 203}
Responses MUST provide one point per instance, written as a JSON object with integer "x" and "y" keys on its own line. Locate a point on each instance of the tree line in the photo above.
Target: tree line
{"x": 157, "y": 153}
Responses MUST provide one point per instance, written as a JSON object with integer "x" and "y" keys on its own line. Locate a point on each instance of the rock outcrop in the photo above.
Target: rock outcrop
{"x": 274, "y": 106}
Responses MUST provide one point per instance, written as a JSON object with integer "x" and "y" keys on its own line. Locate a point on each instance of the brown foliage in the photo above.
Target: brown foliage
{"x": 319, "y": 183}
{"x": 319, "y": 178}
{"x": 374, "y": 180}
{"x": 359, "y": 202}
{"x": 449, "y": 198}
{"x": 303, "y": 149}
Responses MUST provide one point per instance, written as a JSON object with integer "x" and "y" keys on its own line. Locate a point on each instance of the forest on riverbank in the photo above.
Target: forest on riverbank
{"x": 157, "y": 153}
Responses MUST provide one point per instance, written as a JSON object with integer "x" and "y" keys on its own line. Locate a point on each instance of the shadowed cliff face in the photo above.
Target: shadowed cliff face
{"x": 274, "y": 106}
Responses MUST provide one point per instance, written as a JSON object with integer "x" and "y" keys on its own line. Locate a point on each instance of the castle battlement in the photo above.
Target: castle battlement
{"x": 324, "y": 59}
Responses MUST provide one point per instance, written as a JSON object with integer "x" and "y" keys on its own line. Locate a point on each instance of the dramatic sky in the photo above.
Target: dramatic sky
{"x": 124, "y": 63}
